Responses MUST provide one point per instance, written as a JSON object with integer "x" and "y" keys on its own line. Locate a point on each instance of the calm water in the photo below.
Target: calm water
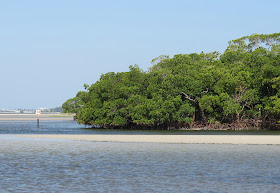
{"x": 71, "y": 127}
{"x": 71, "y": 166}
{"x": 32, "y": 165}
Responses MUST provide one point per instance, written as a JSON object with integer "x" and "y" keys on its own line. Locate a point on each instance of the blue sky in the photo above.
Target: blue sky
{"x": 49, "y": 49}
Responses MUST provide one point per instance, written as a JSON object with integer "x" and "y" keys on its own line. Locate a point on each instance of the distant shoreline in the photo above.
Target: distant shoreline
{"x": 31, "y": 117}
{"x": 172, "y": 139}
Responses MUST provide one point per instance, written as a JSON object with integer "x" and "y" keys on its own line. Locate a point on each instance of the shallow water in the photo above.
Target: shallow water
{"x": 72, "y": 127}
{"x": 44, "y": 165}
{"x": 45, "y": 127}
{"x": 72, "y": 166}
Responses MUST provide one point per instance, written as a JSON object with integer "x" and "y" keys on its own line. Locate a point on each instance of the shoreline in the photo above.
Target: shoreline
{"x": 33, "y": 117}
{"x": 172, "y": 139}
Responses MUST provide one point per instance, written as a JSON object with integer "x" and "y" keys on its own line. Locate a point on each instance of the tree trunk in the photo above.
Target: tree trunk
{"x": 193, "y": 117}
{"x": 238, "y": 119}
{"x": 203, "y": 118}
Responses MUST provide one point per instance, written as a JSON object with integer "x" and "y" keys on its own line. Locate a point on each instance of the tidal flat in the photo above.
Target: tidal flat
{"x": 59, "y": 165}
{"x": 172, "y": 139}
{"x": 63, "y": 156}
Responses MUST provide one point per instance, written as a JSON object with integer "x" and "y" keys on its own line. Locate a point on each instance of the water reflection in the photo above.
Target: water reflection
{"x": 72, "y": 127}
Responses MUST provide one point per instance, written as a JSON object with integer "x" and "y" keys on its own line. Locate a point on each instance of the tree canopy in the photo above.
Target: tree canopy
{"x": 238, "y": 88}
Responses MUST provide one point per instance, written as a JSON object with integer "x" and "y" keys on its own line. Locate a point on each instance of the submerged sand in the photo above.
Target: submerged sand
{"x": 181, "y": 139}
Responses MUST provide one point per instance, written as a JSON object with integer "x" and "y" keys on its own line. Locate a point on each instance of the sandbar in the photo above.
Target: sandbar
{"x": 172, "y": 139}
{"x": 33, "y": 117}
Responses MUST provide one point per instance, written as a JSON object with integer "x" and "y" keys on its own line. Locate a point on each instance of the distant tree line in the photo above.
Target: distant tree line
{"x": 56, "y": 109}
{"x": 50, "y": 110}
{"x": 239, "y": 88}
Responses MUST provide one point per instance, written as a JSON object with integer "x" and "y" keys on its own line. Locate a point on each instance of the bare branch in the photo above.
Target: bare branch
{"x": 188, "y": 97}
{"x": 204, "y": 92}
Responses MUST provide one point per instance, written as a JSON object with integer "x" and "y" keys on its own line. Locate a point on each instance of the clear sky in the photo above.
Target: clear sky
{"x": 50, "y": 48}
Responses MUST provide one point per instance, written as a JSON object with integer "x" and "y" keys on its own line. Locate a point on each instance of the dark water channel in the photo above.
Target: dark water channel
{"x": 71, "y": 127}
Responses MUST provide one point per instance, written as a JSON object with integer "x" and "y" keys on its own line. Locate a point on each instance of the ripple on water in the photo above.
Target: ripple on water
{"x": 73, "y": 166}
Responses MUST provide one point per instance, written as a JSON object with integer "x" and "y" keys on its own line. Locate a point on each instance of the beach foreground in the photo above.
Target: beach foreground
{"x": 183, "y": 139}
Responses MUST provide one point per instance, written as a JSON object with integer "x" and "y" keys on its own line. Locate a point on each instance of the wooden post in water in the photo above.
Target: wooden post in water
{"x": 38, "y": 112}
{"x": 38, "y": 121}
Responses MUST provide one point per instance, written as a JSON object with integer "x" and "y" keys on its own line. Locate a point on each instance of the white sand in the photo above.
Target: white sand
{"x": 183, "y": 139}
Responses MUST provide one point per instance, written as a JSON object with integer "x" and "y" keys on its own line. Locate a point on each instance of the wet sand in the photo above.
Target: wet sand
{"x": 183, "y": 139}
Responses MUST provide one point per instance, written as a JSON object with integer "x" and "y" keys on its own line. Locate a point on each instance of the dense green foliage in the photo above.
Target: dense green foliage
{"x": 239, "y": 88}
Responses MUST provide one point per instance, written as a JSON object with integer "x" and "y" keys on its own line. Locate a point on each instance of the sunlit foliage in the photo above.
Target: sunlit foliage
{"x": 239, "y": 88}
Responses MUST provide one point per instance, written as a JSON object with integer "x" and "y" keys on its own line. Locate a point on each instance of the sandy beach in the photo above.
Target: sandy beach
{"x": 176, "y": 139}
